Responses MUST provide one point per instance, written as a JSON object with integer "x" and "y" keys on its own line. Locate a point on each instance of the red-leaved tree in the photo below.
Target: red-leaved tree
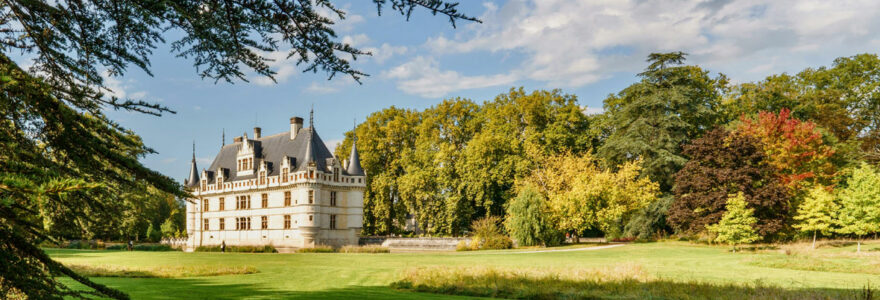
{"x": 794, "y": 148}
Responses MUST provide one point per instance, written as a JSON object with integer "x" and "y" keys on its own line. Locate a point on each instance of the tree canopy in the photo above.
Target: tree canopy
{"x": 62, "y": 159}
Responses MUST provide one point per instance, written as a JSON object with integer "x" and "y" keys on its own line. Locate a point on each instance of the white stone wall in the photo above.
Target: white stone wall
{"x": 302, "y": 232}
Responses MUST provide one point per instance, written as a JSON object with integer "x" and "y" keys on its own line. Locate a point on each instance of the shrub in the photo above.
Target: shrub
{"x": 153, "y": 234}
{"x": 81, "y": 244}
{"x": 526, "y": 221}
{"x": 488, "y": 235}
{"x": 364, "y": 249}
{"x": 648, "y": 221}
{"x": 239, "y": 249}
{"x": 317, "y": 249}
{"x": 463, "y": 246}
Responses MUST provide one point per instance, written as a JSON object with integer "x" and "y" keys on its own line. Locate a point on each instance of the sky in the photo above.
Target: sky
{"x": 586, "y": 48}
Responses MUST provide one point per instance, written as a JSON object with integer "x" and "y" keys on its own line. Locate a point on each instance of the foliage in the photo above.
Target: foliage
{"x": 457, "y": 161}
{"x": 317, "y": 249}
{"x": 859, "y": 212}
{"x": 153, "y": 234}
{"x": 842, "y": 99}
{"x": 81, "y": 244}
{"x": 581, "y": 196}
{"x": 55, "y": 139}
{"x": 364, "y": 249}
{"x": 722, "y": 164}
{"x": 142, "y": 247}
{"x": 795, "y": 149}
{"x": 487, "y": 235}
{"x": 651, "y": 120}
{"x": 649, "y": 222}
{"x": 526, "y": 219}
{"x": 816, "y": 213}
{"x": 737, "y": 223}
{"x": 241, "y": 249}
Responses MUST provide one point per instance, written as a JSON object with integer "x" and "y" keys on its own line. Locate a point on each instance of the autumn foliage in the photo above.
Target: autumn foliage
{"x": 794, "y": 148}
{"x": 721, "y": 164}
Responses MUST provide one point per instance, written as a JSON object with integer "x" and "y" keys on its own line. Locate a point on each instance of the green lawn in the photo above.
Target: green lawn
{"x": 339, "y": 275}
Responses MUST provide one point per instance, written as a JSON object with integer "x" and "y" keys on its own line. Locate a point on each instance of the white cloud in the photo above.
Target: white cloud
{"x": 384, "y": 52}
{"x": 284, "y": 68}
{"x": 357, "y": 40}
{"x": 574, "y": 43}
{"x": 592, "y": 110}
{"x": 422, "y": 76}
{"x": 119, "y": 88}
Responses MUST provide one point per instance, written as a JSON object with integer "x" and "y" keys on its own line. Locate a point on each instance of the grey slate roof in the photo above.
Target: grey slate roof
{"x": 193, "y": 179}
{"x": 307, "y": 145}
{"x": 354, "y": 162}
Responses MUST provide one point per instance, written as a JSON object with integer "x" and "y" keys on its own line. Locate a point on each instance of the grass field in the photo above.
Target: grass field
{"x": 363, "y": 275}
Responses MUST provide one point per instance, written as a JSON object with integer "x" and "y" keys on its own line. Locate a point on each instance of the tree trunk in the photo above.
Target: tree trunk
{"x": 814, "y": 240}
{"x": 734, "y": 248}
{"x": 859, "y": 247}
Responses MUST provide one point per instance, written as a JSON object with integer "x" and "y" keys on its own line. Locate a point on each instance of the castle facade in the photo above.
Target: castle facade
{"x": 285, "y": 190}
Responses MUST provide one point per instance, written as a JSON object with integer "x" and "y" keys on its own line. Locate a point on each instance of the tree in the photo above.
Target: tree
{"x": 581, "y": 196}
{"x": 526, "y": 219}
{"x": 737, "y": 224}
{"x": 383, "y": 139}
{"x": 816, "y": 213}
{"x": 859, "y": 212}
{"x": 431, "y": 186}
{"x": 54, "y": 135}
{"x": 650, "y": 120}
{"x": 721, "y": 164}
{"x": 794, "y": 148}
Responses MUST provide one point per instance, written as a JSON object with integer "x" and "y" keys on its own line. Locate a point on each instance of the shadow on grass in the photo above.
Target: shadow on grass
{"x": 194, "y": 288}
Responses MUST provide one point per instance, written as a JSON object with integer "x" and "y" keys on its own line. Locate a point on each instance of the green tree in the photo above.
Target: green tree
{"x": 737, "y": 224}
{"x": 431, "y": 186}
{"x": 581, "y": 196}
{"x": 816, "y": 213}
{"x": 650, "y": 120}
{"x": 153, "y": 234}
{"x": 859, "y": 212}
{"x": 383, "y": 139}
{"x": 54, "y": 134}
{"x": 526, "y": 220}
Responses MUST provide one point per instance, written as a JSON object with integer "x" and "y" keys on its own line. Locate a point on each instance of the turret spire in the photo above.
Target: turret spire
{"x": 354, "y": 160}
{"x": 223, "y": 143}
{"x": 193, "y": 179}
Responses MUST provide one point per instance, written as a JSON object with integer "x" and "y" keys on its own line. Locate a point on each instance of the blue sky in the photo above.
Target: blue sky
{"x": 586, "y": 48}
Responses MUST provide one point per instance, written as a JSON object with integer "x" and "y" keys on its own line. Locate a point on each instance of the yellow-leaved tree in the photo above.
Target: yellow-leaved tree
{"x": 582, "y": 196}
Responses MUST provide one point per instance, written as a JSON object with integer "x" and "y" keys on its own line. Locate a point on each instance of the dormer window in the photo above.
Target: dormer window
{"x": 262, "y": 177}
{"x": 284, "y": 174}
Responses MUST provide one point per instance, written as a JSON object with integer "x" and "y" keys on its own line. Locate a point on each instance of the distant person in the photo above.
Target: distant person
{"x": 223, "y": 246}
{"x": 130, "y": 244}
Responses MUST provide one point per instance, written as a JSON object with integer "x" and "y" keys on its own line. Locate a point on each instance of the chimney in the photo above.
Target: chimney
{"x": 257, "y": 132}
{"x": 296, "y": 123}
{"x": 237, "y": 139}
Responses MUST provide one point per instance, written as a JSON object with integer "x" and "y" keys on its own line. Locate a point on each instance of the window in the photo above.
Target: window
{"x": 332, "y": 198}
{"x": 311, "y": 218}
{"x": 265, "y": 203}
{"x": 247, "y": 223}
{"x": 205, "y": 224}
{"x": 332, "y": 221}
{"x": 250, "y": 162}
{"x": 222, "y": 203}
{"x": 284, "y": 175}
{"x": 244, "y": 202}
{"x": 286, "y": 198}
{"x": 264, "y": 222}
{"x": 311, "y": 197}
{"x": 336, "y": 174}
{"x": 262, "y": 177}
{"x": 222, "y": 224}
{"x": 205, "y": 205}
{"x": 311, "y": 174}
{"x": 286, "y": 221}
